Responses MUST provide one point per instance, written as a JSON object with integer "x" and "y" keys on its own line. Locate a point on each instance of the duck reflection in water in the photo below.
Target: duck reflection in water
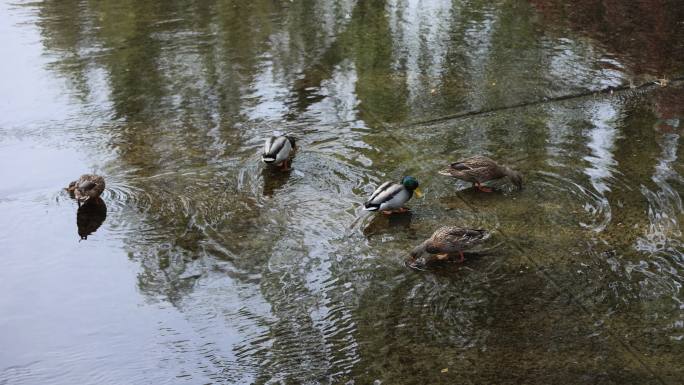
{"x": 382, "y": 223}
{"x": 274, "y": 179}
{"x": 90, "y": 216}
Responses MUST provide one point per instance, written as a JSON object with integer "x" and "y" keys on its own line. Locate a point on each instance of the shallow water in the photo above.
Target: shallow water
{"x": 207, "y": 268}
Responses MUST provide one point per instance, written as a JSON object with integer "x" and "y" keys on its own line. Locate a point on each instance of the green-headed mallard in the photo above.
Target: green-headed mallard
{"x": 88, "y": 186}
{"x": 392, "y": 196}
{"x": 279, "y": 150}
{"x": 449, "y": 241}
{"x": 479, "y": 169}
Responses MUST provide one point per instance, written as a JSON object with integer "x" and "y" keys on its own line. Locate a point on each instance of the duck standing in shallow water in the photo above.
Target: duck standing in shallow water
{"x": 479, "y": 169}
{"x": 449, "y": 241}
{"x": 279, "y": 150}
{"x": 88, "y": 186}
{"x": 391, "y": 196}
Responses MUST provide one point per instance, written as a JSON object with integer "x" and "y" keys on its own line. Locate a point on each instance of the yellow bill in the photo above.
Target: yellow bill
{"x": 418, "y": 192}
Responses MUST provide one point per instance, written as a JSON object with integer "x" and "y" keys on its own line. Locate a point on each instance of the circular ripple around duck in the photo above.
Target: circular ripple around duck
{"x": 596, "y": 209}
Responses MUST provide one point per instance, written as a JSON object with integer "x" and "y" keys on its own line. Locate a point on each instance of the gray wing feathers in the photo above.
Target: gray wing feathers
{"x": 378, "y": 191}
{"x": 386, "y": 194}
{"x": 267, "y": 145}
{"x": 277, "y": 148}
{"x": 396, "y": 199}
{"x": 274, "y": 145}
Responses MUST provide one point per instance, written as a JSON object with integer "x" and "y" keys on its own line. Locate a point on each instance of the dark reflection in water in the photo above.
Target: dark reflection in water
{"x": 394, "y": 223}
{"x": 644, "y": 36}
{"x": 274, "y": 180}
{"x": 253, "y": 276}
{"x": 90, "y": 216}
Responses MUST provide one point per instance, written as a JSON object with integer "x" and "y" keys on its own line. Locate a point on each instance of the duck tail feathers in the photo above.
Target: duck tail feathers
{"x": 370, "y": 206}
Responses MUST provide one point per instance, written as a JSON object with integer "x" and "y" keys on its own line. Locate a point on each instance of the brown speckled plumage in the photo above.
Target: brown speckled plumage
{"x": 449, "y": 241}
{"x": 479, "y": 169}
{"x": 86, "y": 187}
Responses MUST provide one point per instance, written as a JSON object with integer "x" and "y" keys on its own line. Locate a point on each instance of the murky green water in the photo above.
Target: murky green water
{"x": 209, "y": 269}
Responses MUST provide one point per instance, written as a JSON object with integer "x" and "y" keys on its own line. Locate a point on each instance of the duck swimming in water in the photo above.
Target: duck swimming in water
{"x": 449, "y": 241}
{"x": 391, "y": 196}
{"x": 88, "y": 186}
{"x": 479, "y": 169}
{"x": 279, "y": 151}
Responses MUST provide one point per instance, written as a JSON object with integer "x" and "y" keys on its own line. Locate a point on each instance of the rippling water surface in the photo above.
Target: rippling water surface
{"x": 206, "y": 268}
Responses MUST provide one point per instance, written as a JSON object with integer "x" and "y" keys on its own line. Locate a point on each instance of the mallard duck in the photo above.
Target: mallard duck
{"x": 391, "y": 196}
{"x": 448, "y": 241}
{"x": 479, "y": 169}
{"x": 279, "y": 150}
{"x": 88, "y": 186}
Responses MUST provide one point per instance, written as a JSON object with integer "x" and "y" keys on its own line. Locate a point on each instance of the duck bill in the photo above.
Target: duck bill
{"x": 418, "y": 193}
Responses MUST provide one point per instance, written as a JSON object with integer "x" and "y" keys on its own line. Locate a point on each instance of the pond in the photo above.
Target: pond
{"x": 205, "y": 267}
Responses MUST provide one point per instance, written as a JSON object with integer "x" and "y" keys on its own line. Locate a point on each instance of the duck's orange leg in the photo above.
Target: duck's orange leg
{"x": 397, "y": 211}
{"x": 286, "y": 165}
{"x": 482, "y": 188}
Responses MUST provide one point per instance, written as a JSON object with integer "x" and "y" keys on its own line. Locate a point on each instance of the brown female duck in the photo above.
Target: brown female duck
{"x": 449, "y": 241}
{"x": 479, "y": 169}
{"x": 88, "y": 186}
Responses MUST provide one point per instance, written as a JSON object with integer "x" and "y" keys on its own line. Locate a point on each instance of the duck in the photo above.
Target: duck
{"x": 479, "y": 169}
{"x": 88, "y": 186}
{"x": 390, "y": 197}
{"x": 449, "y": 241}
{"x": 279, "y": 151}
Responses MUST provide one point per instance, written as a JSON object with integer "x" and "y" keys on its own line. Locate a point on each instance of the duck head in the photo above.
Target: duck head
{"x": 84, "y": 190}
{"x": 411, "y": 184}
{"x": 515, "y": 177}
